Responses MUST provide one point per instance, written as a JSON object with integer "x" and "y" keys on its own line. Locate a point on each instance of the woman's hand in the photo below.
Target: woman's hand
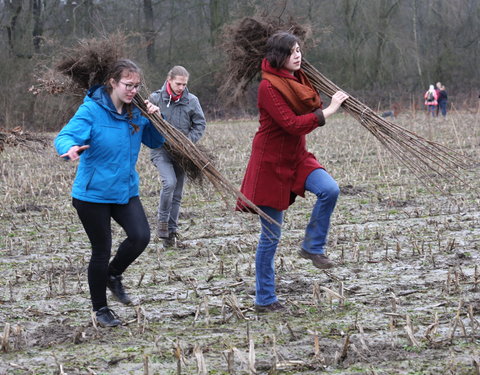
{"x": 151, "y": 108}
{"x": 74, "y": 152}
{"x": 337, "y": 99}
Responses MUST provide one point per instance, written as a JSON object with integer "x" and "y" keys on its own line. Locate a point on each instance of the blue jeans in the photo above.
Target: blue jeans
{"x": 320, "y": 183}
{"x": 432, "y": 109}
{"x": 172, "y": 176}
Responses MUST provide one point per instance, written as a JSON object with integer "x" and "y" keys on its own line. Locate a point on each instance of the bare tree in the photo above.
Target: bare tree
{"x": 218, "y": 16}
{"x": 386, "y": 9}
{"x": 37, "y": 33}
{"x": 149, "y": 30}
{"x": 13, "y": 10}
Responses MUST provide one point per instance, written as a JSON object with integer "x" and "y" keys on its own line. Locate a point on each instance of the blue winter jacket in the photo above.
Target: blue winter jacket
{"x": 106, "y": 173}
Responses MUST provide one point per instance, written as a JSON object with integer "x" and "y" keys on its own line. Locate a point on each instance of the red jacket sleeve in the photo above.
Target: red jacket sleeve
{"x": 271, "y": 101}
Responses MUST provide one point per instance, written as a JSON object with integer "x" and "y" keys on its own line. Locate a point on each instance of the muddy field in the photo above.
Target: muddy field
{"x": 403, "y": 299}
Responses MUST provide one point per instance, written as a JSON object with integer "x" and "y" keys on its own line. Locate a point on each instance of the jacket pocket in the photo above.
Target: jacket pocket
{"x": 104, "y": 181}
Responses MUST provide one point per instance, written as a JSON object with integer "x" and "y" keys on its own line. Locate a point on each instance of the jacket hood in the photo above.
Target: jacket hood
{"x": 266, "y": 67}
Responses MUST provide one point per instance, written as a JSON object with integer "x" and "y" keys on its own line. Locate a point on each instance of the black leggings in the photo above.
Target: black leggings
{"x": 96, "y": 219}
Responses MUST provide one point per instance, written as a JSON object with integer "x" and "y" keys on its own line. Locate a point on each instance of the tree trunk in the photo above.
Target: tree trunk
{"x": 149, "y": 31}
{"x": 218, "y": 14}
{"x": 350, "y": 8}
{"x": 14, "y": 8}
{"x": 385, "y": 13}
{"x": 37, "y": 32}
{"x": 415, "y": 43}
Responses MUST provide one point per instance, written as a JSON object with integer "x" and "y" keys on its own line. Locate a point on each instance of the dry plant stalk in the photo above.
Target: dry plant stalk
{"x": 251, "y": 358}
{"x": 245, "y": 48}
{"x": 345, "y": 347}
{"x": 332, "y": 293}
{"x": 146, "y": 365}
{"x": 410, "y": 332}
{"x": 200, "y": 359}
{"x": 178, "y": 354}
{"x": 5, "y": 338}
{"x": 229, "y": 358}
{"x": 432, "y": 328}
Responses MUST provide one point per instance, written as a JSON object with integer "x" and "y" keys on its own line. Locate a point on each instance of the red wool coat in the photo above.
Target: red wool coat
{"x": 279, "y": 163}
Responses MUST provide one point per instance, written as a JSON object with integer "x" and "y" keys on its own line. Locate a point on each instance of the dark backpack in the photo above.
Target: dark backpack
{"x": 430, "y": 97}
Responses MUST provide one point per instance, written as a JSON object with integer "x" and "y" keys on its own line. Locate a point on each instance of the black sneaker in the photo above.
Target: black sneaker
{"x": 273, "y": 307}
{"x": 107, "y": 318}
{"x": 115, "y": 285}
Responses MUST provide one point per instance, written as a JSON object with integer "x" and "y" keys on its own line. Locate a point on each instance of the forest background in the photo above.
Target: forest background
{"x": 383, "y": 52}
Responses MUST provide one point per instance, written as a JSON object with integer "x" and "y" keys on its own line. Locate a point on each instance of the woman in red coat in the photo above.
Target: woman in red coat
{"x": 280, "y": 167}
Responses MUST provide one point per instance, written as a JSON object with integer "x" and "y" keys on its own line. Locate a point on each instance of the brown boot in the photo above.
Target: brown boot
{"x": 319, "y": 260}
{"x": 162, "y": 230}
{"x": 273, "y": 307}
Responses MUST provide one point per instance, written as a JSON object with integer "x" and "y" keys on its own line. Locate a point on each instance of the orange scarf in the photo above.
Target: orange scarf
{"x": 299, "y": 93}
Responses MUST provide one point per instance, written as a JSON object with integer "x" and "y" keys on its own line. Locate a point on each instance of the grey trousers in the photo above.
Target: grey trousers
{"x": 172, "y": 177}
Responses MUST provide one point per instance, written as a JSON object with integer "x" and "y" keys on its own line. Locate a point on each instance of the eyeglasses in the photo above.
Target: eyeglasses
{"x": 130, "y": 87}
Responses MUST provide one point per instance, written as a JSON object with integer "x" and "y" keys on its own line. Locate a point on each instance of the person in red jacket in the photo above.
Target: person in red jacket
{"x": 280, "y": 167}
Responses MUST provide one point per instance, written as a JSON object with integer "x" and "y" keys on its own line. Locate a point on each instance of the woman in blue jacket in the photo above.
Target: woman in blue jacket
{"x": 106, "y": 133}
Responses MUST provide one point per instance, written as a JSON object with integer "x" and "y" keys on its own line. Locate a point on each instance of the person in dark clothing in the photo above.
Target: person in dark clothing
{"x": 443, "y": 100}
{"x": 106, "y": 133}
{"x": 438, "y": 85}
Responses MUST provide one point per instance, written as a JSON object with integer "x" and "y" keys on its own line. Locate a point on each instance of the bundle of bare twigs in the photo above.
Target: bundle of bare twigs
{"x": 245, "y": 47}
{"x": 183, "y": 146}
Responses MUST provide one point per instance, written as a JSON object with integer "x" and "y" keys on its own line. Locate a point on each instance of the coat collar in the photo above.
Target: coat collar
{"x": 166, "y": 98}
{"x": 266, "y": 67}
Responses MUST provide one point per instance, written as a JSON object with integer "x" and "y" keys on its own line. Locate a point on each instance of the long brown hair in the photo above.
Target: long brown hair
{"x": 119, "y": 68}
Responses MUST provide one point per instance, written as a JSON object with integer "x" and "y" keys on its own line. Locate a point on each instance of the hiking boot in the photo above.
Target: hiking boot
{"x": 273, "y": 307}
{"x": 162, "y": 230}
{"x": 173, "y": 241}
{"x": 319, "y": 260}
{"x": 115, "y": 285}
{"x": 107, "y": 318}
